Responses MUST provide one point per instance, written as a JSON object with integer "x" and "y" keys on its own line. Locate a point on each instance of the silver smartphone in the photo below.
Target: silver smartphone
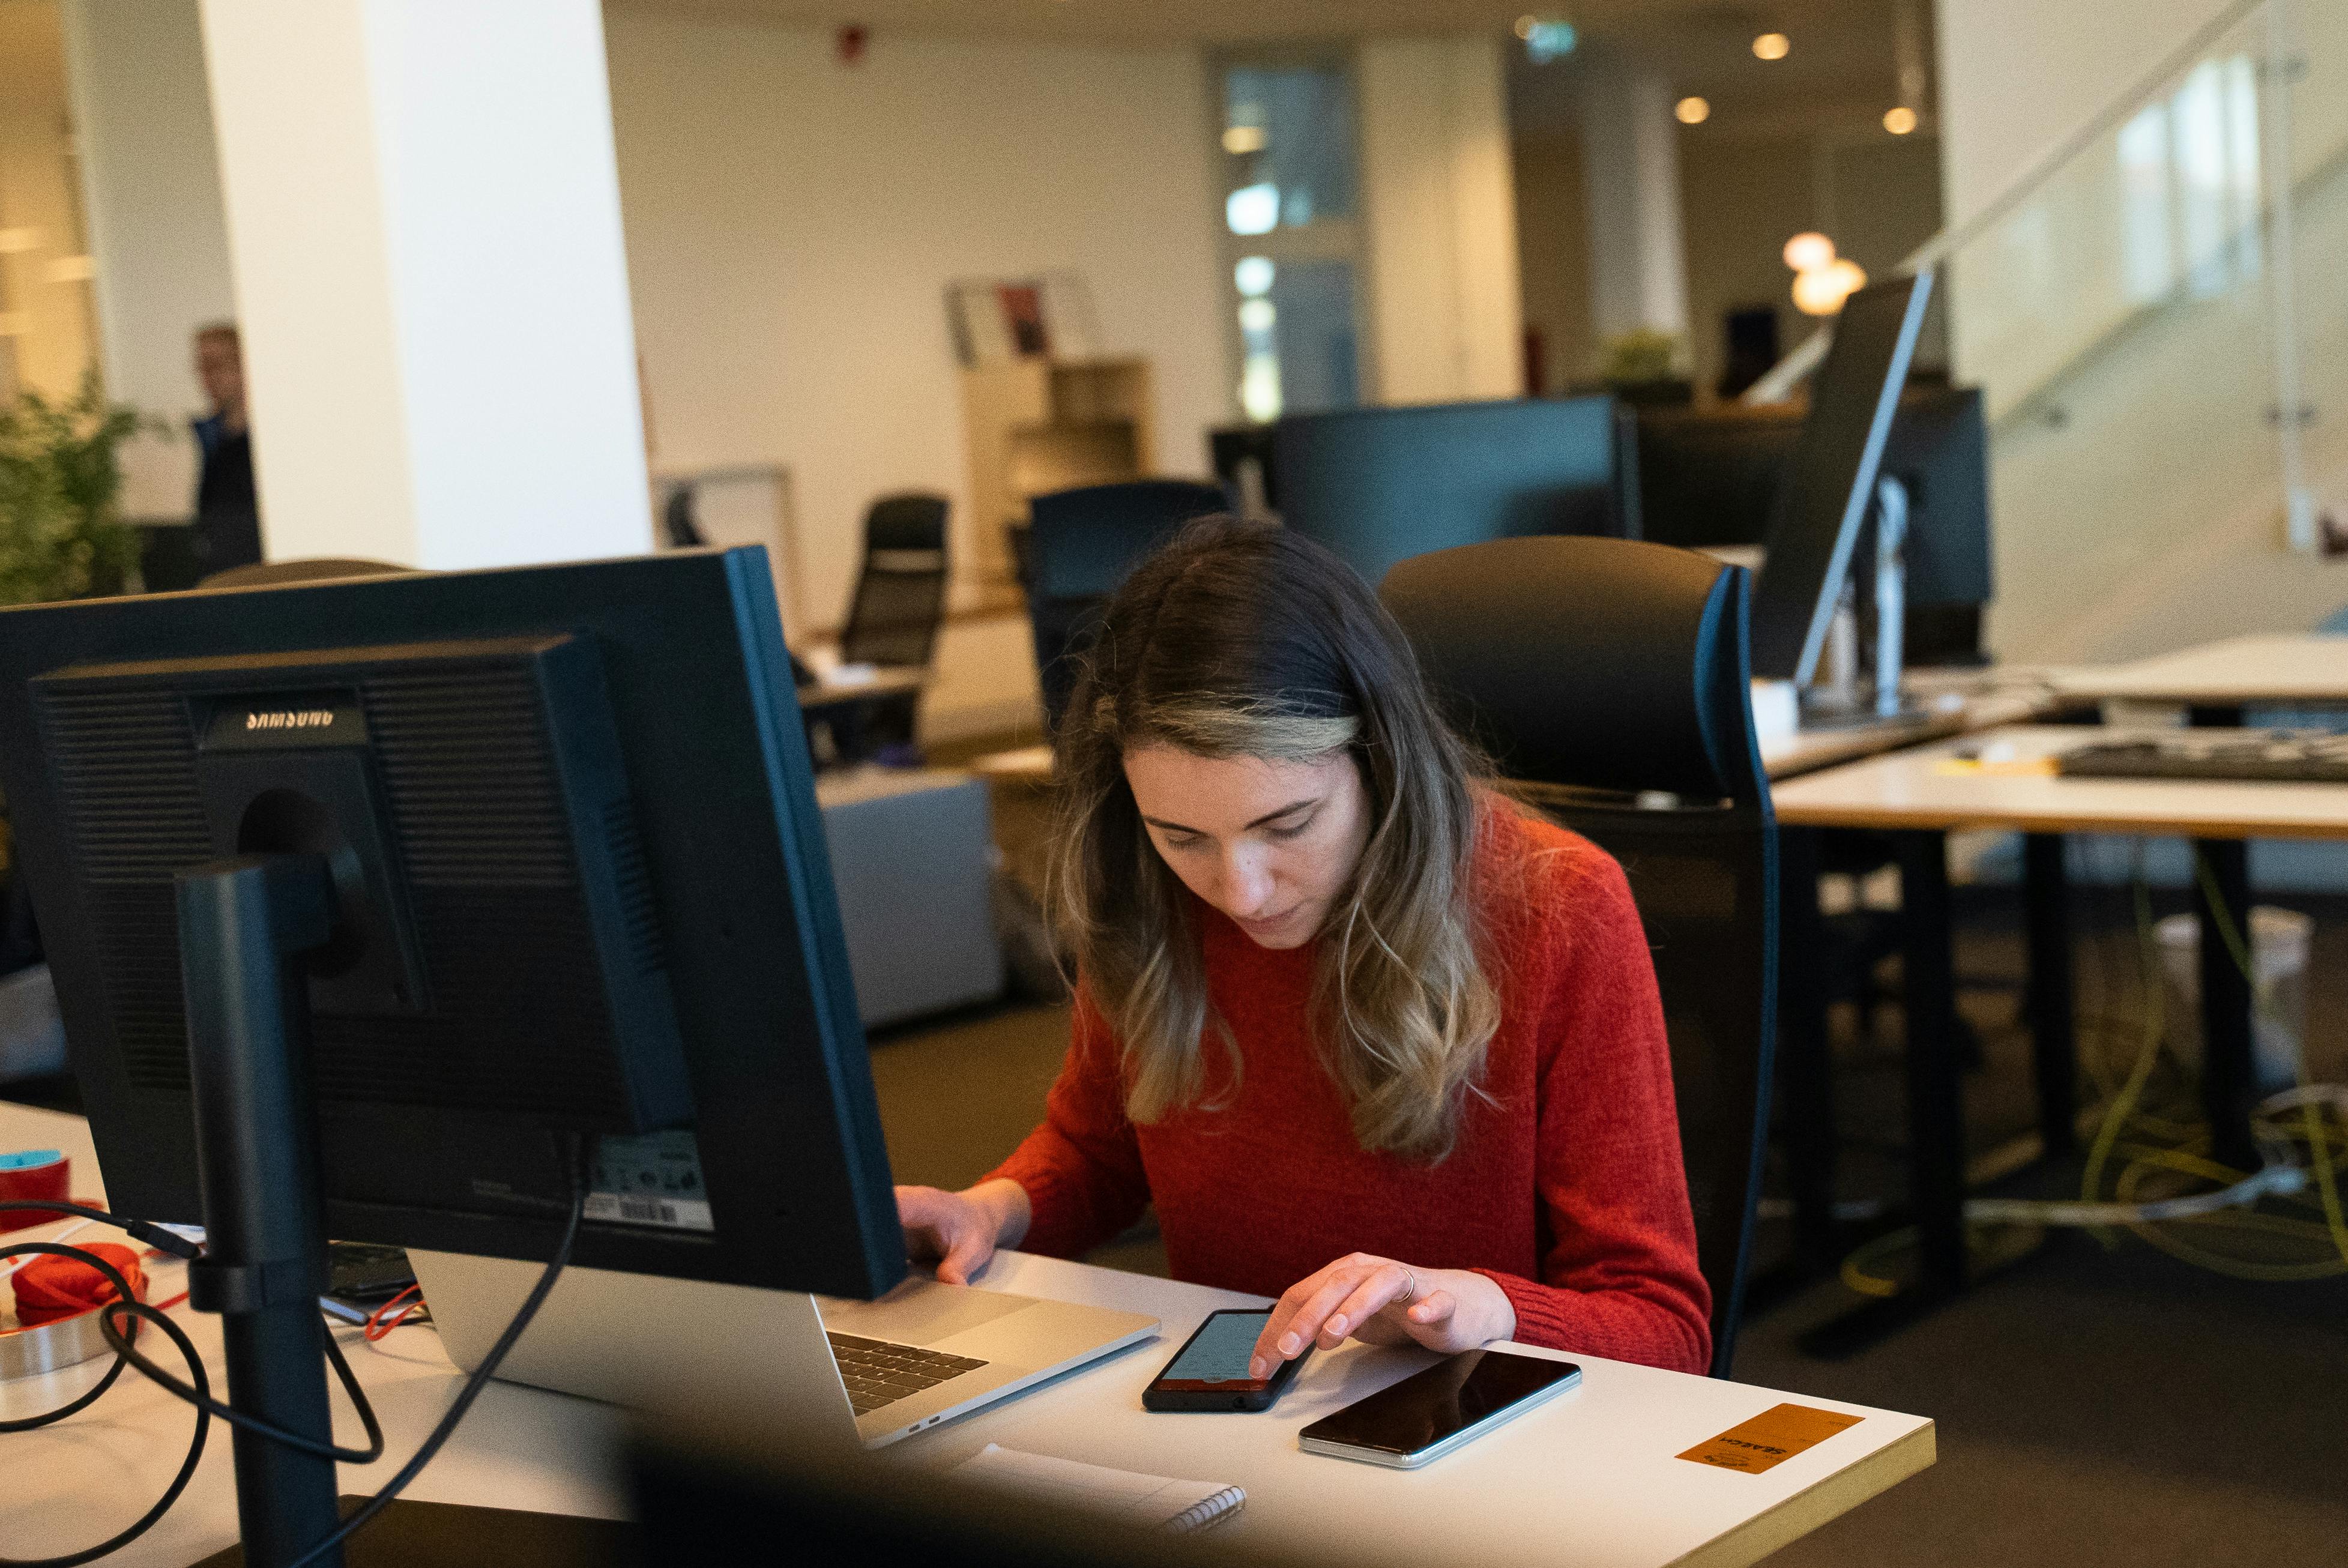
{"x": 1430, "y": 1413}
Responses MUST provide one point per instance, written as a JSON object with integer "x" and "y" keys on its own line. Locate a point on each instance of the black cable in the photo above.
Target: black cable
{"x": 580, "y": 1162}
{"x": 581, "y": 1152}
{"x": 125, "y": 1301}
{"x": 147, "y": 1231}
{"x": 255, "y": 1424}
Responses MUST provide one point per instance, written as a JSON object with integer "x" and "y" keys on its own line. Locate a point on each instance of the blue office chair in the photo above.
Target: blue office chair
{"x": 1602, "y": 674}
{"x": 1081, "y": 544}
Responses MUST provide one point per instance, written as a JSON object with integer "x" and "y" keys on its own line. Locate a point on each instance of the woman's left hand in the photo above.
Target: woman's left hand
{"x": 1383, "y": 1302}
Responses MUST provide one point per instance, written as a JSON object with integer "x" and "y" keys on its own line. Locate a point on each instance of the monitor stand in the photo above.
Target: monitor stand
{"x": 1825, "y": 711}
{"x": 245, "y": 927}
{"x": 1843, "y": 698}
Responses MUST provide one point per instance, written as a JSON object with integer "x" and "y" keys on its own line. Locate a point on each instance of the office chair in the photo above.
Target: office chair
{"x": 1081, "y": 544}
{"x": 900, "y": 592}
{"x": 1601, "y": 672}
{"x": 894, "y": 614}
{"x": 679, "y": 520}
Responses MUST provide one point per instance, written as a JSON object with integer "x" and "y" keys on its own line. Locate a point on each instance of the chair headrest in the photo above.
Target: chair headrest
{"x": 1601, "y": 663}
{"x": 906, "y": 522}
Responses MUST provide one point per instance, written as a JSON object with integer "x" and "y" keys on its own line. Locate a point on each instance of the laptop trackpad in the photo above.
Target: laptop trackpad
{"x": 920, "y": 1312}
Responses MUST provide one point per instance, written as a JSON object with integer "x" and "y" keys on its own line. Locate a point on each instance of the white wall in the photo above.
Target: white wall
{"x": 2150, "y": 516}
{"x": 2018, "y": 76}
{"x": 793, "y": 222}
{"x": 1444, "y": 303}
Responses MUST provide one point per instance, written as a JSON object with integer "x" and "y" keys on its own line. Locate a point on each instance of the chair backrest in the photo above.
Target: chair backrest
{"x": 1083, "y": 543}
{"x": 1616, "y": 672}
{"x": 901, "y": 593}
{"x": 679, "y": 522}
{"x": 317, "y": 569}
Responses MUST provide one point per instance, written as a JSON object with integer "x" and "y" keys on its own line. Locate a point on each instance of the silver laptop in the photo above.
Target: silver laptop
{"x": 862, "y": 1371}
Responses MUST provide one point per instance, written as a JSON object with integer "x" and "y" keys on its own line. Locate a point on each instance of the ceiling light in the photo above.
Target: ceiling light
{"x": 1692, "y": 110}
{"x": 1821, "y": 290}
{"x": 1772, "y": 45}
{"x": 1244, "y": 138}
{"x": 1809, "y": 252}
{"x": 1253, "y": 275}
{"x": 1546, "y": 38}
{"x": 1253, "y": 209}
{"x": 1257, "y": 315}
{"x": 1899, "y": 121}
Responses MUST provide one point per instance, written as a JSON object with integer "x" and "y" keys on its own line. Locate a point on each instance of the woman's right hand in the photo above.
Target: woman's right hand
{"x": 961, "y": 1230}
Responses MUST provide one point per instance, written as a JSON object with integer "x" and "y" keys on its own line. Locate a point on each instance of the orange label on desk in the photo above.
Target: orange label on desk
{"x": 1771, "y": 1437}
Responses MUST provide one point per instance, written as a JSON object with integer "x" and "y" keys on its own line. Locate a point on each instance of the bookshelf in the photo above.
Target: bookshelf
{"x": 1034, "y": 426}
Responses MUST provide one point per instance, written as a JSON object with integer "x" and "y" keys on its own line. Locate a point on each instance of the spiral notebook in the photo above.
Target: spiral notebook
{"x": 1181, "y": 1506}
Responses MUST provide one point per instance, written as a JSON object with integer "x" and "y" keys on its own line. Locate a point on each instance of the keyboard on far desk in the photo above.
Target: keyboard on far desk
{"x": 877, "y": 1373}
{"x": 2274, "y": 755}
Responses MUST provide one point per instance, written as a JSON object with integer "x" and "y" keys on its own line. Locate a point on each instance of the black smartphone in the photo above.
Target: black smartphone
{"x": 357, "y": 1271}
{"x": 1211, "y": 1371}
{"x": 1430, "y": 1413}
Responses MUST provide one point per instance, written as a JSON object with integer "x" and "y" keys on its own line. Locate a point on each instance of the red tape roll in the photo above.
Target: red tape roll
{"x": 30, "y": 1177}
{"x": 50, "y": 1287}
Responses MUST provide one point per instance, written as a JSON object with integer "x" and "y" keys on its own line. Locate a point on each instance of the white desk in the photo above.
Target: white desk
{"x": 1918, "y": 788}
{"x": 2238, "y": 671}
{"x": 1589, "y": 1478}
{"x": 1925, "y": 792}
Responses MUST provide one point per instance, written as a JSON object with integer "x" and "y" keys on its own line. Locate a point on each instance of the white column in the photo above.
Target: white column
{"x": 423, "y": 217}
{"x": 1445, "y": 306}
{"x": 1630, "y": 175}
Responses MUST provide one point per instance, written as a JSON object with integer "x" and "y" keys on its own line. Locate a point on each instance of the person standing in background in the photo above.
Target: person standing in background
{"x": 228, "y": 510}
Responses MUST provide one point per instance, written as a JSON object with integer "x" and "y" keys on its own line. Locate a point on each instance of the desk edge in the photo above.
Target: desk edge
{"x": 1895, "y": 819}
{"x": 1807, "y": 1509}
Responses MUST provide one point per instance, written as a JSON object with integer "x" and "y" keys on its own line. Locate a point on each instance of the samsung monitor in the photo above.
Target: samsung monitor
{"x": 485, "y": 912}
{"x": 1378, "y": 486}
{"x": 1831, "y": 481}
{"x": 580, "y": 885}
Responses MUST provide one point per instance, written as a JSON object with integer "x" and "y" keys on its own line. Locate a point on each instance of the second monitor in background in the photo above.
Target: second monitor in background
{"x": 1831, "y": 484}
{"x": 1381, "y": 485}
{"x": 1709, "y": 478}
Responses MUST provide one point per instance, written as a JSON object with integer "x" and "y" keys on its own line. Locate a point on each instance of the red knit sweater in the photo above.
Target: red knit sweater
{"x": 1565, "y": 1188}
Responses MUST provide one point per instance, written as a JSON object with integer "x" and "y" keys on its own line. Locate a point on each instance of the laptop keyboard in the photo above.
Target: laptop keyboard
{"x": 877, "y": 1373}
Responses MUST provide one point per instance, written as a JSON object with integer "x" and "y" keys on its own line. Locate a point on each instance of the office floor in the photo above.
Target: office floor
{"x": 2095, "y": 1407}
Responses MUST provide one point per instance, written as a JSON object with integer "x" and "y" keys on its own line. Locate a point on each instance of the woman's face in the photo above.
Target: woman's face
{"x": 1272, "y": 844}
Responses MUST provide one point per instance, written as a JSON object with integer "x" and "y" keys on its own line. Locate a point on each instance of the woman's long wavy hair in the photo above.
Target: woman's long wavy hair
{"x": 1242, "y": 640}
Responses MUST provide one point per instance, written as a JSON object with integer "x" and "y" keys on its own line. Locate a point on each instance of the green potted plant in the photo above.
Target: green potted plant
{"x": 61, "y": 537}
{"x": 61, "y": 530}
{"x": 1643, "y": 365}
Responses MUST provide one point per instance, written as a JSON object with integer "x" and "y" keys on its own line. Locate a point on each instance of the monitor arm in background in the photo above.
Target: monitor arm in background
{"x": 1891, "y": 592}
{"x": 1834, "y": 697}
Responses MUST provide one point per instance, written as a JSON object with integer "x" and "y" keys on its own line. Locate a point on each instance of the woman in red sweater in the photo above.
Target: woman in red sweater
{"x": 1373, "y": 1041}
